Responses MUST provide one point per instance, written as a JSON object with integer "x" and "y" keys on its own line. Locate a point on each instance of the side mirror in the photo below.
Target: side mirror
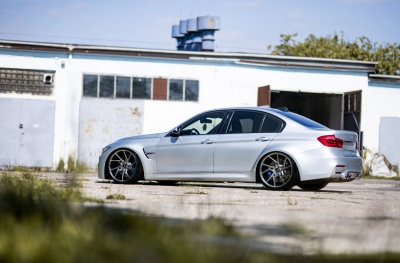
{"x": 176, "y": 132}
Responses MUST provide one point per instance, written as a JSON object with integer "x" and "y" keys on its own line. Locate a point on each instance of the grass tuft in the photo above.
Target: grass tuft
{"x": 116, "y": 197}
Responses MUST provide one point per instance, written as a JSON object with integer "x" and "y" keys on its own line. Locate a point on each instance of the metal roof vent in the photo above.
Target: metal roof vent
{"x": 180, "y": 38}
{"x": 196, "y": 34}
{"x": 208, "y": 25}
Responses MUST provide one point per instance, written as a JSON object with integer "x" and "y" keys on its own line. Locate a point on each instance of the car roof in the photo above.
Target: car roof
{"x": 282, "y": 113}
{"x": 259, "y": 108}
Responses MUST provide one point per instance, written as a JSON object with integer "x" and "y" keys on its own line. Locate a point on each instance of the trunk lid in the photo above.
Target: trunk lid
{"x": 350, "y": 141}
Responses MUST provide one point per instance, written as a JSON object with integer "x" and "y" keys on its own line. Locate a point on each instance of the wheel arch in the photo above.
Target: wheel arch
{"x": 139, "y": 155}
{"x": 281, "y": 171}
{"x": 277, "y": 150}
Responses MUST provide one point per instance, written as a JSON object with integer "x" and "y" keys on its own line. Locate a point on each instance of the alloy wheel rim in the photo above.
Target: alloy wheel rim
{"x": 122, "y": 165}
{"x": 276, "y": 170}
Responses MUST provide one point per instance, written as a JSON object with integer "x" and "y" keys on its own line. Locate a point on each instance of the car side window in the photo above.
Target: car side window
{"x": 245, "y": 122}
{"x": 271, "y": 125}
{"x": 208, "y": 123}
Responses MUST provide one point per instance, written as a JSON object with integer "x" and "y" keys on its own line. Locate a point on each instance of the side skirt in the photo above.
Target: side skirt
{"x": 204, "y": 177}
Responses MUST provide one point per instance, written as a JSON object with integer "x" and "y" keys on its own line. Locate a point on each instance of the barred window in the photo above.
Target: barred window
{"x": 141, "y": 88}
{"x": 187, "y": 90}
{"x": 192, "y": 90}
{"x": 123, "y": 87}
{"x": 106, "y": 87}
{"x": 132, "y": 87}
{"x": 175, "y": 89}
{"x": 24, "y": 81}
{"x": 90, "y": 85}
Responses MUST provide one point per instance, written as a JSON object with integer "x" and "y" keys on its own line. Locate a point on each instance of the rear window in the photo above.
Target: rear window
{"x": 303, "y": 120}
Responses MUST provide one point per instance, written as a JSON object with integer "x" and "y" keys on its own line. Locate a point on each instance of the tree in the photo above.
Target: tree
{"x": 387, "y": 55}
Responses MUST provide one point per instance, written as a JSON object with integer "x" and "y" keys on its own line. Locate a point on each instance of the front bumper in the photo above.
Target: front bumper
{"x": 101, "y": 165}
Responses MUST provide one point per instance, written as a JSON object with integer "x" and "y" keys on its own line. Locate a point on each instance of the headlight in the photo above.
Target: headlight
{"x": 105, "y": 149}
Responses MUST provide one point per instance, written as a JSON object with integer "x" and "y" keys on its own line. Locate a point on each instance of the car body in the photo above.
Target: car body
{"x": 275, "y": 147}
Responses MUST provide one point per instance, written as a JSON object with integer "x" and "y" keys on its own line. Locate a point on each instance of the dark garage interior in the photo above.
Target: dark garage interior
{"x": 336, "y": 111}
{"x": 320, "y": 107}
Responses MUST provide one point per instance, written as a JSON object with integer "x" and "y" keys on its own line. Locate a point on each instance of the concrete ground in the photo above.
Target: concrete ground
{"x": 362, "y": 216}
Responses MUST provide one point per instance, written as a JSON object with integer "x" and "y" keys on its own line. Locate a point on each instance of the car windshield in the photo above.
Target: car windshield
{"x": 303, "y": 120}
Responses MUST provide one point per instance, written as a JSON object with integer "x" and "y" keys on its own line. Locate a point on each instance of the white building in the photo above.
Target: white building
{"x": 59, "y": 101}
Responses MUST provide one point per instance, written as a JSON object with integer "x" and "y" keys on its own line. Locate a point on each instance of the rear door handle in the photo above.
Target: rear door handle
{"x": 262, "y": 139}
{"x": 208, "y": 141}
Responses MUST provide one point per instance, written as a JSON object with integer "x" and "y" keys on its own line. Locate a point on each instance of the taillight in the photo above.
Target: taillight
{"x": 331, "y": 141}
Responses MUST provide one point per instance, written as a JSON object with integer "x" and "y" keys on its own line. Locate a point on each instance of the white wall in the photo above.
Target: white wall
{"x": 222, "y": 84}
{"x": 45, "y": 61}
{"x": 229, "y": 84}
{"x": 104, "y": 121}
{"x": 377, "y": 102}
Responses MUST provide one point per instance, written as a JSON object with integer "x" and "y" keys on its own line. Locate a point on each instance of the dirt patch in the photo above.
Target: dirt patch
{"x": 358, "y": 217}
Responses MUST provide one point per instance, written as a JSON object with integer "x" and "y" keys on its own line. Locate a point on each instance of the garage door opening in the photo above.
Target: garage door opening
{"x": 323, "y": 108}
{"x": 336, "y": 111}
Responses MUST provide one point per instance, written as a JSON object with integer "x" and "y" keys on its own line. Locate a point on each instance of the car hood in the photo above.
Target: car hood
{"x": 142, "y": 137}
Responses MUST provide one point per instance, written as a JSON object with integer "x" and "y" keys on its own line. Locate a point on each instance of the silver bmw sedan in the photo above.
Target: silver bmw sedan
{"x": 275, "y": 147}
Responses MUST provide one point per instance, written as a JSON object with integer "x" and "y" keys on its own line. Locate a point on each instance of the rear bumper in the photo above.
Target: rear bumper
{"x": 345, "y": 177}
{"x": 328, "y": 164}
{"x": 347, "y": 170}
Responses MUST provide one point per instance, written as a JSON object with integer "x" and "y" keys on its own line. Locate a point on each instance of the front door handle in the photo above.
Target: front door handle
{"x": 262, "y": 139}
{"x": 208, "y": 141}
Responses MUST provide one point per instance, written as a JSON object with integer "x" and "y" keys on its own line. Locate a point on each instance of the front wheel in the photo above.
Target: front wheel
{"x": 124, "y": 166}
{"x": 278, "y": 171}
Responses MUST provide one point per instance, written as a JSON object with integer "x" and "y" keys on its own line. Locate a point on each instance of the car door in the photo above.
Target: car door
{"x": 246, "y": 136}
{"x": 190, "y": 148}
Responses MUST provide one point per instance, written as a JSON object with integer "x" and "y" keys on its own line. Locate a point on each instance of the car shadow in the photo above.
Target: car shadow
{"x": 250, "y": 186}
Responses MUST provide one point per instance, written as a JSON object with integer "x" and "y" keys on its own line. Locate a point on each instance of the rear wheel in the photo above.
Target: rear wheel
{"x": 124, "y": 166}
{"x": 278, "y": 171}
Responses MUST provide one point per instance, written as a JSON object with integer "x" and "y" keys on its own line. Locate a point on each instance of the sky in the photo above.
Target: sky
{"x": 246, "y": 25}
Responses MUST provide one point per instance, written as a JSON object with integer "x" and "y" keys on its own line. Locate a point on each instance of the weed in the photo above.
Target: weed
{"x": 197, "y": 192}
{"x": 298, "y": 229}
{"x": 81, "y": 167}
{"x": 397, "y": 178}
{"x": 216, "y": 226}
{"x": 115, "y": 197}
{"x": 320, "y": 198}
{"x": 71, "y": 164}
{"x": 366, "y": 155}
{"x": 186, "y": 185}
{"x": 75, "y": 166}
{"x": 291, "y": 202}
{"x": 60, "y": 167}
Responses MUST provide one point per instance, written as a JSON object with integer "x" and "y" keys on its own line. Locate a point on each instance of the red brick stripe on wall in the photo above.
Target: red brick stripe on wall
{"x": 160, "y": 89}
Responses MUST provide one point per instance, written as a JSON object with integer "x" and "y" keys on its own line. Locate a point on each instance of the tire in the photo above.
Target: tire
{"x": 124, "y": 166}
{"x": 277, "y": 171}
{"x": 313, "y": 187}
{"x": 167, "y": 182}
